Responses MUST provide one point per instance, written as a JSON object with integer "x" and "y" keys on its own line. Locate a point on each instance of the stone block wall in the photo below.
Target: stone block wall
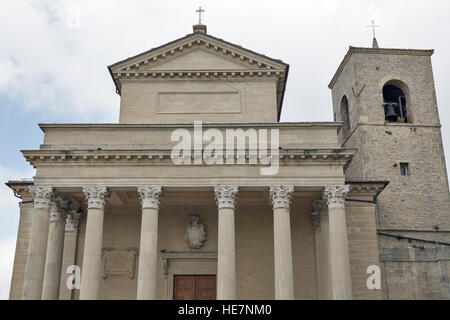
{"x": 417, "y": 205}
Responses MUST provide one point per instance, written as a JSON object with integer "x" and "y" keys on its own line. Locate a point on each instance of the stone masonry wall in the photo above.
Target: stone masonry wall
{"x": 416, "y": 206}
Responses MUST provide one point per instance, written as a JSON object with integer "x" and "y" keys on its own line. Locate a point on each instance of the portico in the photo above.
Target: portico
{"x": 282, "y": 200}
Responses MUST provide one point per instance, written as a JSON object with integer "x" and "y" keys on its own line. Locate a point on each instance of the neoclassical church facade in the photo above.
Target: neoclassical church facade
{"x": 357, "y": 208}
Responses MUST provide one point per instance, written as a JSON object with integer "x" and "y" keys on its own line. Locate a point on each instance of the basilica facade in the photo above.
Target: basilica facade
{"x": 200, "y": 192}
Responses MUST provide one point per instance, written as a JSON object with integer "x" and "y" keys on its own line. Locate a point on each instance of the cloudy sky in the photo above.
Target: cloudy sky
{"x": 54, "y": 54}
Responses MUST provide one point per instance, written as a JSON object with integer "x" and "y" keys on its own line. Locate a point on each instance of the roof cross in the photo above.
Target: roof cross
{"x": 200, "y": 11}
{"x": 373, "y": 26}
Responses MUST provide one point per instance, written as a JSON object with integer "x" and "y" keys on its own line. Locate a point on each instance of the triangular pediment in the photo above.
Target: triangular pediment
{"x": 198, "y": 52}
{"x": 201, "y": 56}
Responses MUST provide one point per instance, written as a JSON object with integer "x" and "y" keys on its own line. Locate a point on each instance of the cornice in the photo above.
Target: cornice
{"x": 197, "y": 74}
{"x": 163, "y": 157}
{"x": 396, "y": 51}
{"x": 195, "y": 40}
{"x": 177, "y": 125}
{"x": 20, "y": 187}
{"x": 391, "y": 51}
{"x": 366, "y": 188}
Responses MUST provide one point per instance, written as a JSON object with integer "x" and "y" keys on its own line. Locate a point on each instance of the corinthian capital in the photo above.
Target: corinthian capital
{"x": 58, "y": 209}
{"x": 319, "y": 210}
{"x": 226, "y": 196}
{"x": 73, "y": 219}
{"x": 335, "y": 195}
{"x": 42, "y": 196}
{"x": 281, "y": 196}
{"x": 320, "y": 206}
{"x": 96, "y": 196}
{"x": 150, "y": 196}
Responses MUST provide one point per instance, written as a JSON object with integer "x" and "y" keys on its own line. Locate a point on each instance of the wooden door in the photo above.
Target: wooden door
{"x": 194, "y": 287}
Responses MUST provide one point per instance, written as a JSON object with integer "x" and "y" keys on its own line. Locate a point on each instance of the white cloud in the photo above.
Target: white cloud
{"x": 9, "y": 72}
{"x": 7, "y": 250}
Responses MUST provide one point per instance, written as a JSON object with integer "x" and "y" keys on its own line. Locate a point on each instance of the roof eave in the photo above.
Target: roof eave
{"x": 351, "y": 50}
{"x": 284, "y": 91}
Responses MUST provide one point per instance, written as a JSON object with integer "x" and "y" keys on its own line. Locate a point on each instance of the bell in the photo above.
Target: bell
{"x": 390, "y": 113}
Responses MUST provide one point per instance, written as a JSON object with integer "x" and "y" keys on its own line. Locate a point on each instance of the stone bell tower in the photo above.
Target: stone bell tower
{"x": 387, "y": 102}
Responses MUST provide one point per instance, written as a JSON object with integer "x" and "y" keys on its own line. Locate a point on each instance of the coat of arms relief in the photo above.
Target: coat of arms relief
{"x": 195, "y": 233}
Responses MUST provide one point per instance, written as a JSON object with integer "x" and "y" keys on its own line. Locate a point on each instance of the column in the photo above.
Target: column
{"x": 226, "y": 252}
{"x": 96, "y": 197}
{"x": 55, "y": 245}
{"x": 22, "y": 242}
{"x": 320, "y": 223}
{"x": 341, "y": 283}
{"x": 148, "y": 247}
{"x": 70, "y": 247}
{"x": 34, "y": 270}
{"x": 284, "y": 274}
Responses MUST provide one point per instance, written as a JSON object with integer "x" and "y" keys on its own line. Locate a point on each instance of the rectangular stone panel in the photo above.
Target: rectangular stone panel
{"x": 199, "y": 102}
{"x": 120, "y": 263}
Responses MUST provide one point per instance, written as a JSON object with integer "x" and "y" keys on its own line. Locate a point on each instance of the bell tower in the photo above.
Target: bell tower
{"x": 387, "y": 102}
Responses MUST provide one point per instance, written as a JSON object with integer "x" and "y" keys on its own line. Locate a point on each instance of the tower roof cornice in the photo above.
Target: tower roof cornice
{"x": 391, "y": 51}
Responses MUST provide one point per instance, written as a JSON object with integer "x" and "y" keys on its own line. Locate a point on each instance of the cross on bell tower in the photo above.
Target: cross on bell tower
{"x": 373, "y": 26}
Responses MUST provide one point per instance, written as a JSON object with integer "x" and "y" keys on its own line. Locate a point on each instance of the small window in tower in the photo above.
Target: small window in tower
{"x": 345, "y": 116}
{"x": 394, "y": 104}
{"x": 404, "y": 169}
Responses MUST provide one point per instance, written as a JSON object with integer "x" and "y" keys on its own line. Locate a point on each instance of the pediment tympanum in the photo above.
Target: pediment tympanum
{"x": 196, "y": 59}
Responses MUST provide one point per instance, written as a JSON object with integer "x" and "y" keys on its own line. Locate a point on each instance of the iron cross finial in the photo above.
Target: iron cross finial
{"x": 373, "y": 26}
{"x": 200, "y": 11}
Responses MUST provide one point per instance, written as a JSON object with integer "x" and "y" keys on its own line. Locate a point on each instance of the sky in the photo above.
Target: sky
{"x": 54, "y": 56}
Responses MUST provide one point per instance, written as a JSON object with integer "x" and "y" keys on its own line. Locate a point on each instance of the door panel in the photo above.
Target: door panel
{"x": 184, "y": 288}
{"x": 205, "y": 288}
{"x": 194, "y": 287}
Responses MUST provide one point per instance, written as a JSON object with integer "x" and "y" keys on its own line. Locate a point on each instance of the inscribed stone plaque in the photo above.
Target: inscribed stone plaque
{"x": 119, "y": 263}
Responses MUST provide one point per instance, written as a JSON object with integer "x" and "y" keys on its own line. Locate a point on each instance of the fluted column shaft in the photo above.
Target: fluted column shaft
{"x": 34, "y": 270}
{"x": 339, "y": 254}
{"x": 226, "y": 252}
{"x": 284, "y": 275}
{"x": 55, "y": 246}
{"x": 92, "y": 255}
{"x": 148, "y": 248}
